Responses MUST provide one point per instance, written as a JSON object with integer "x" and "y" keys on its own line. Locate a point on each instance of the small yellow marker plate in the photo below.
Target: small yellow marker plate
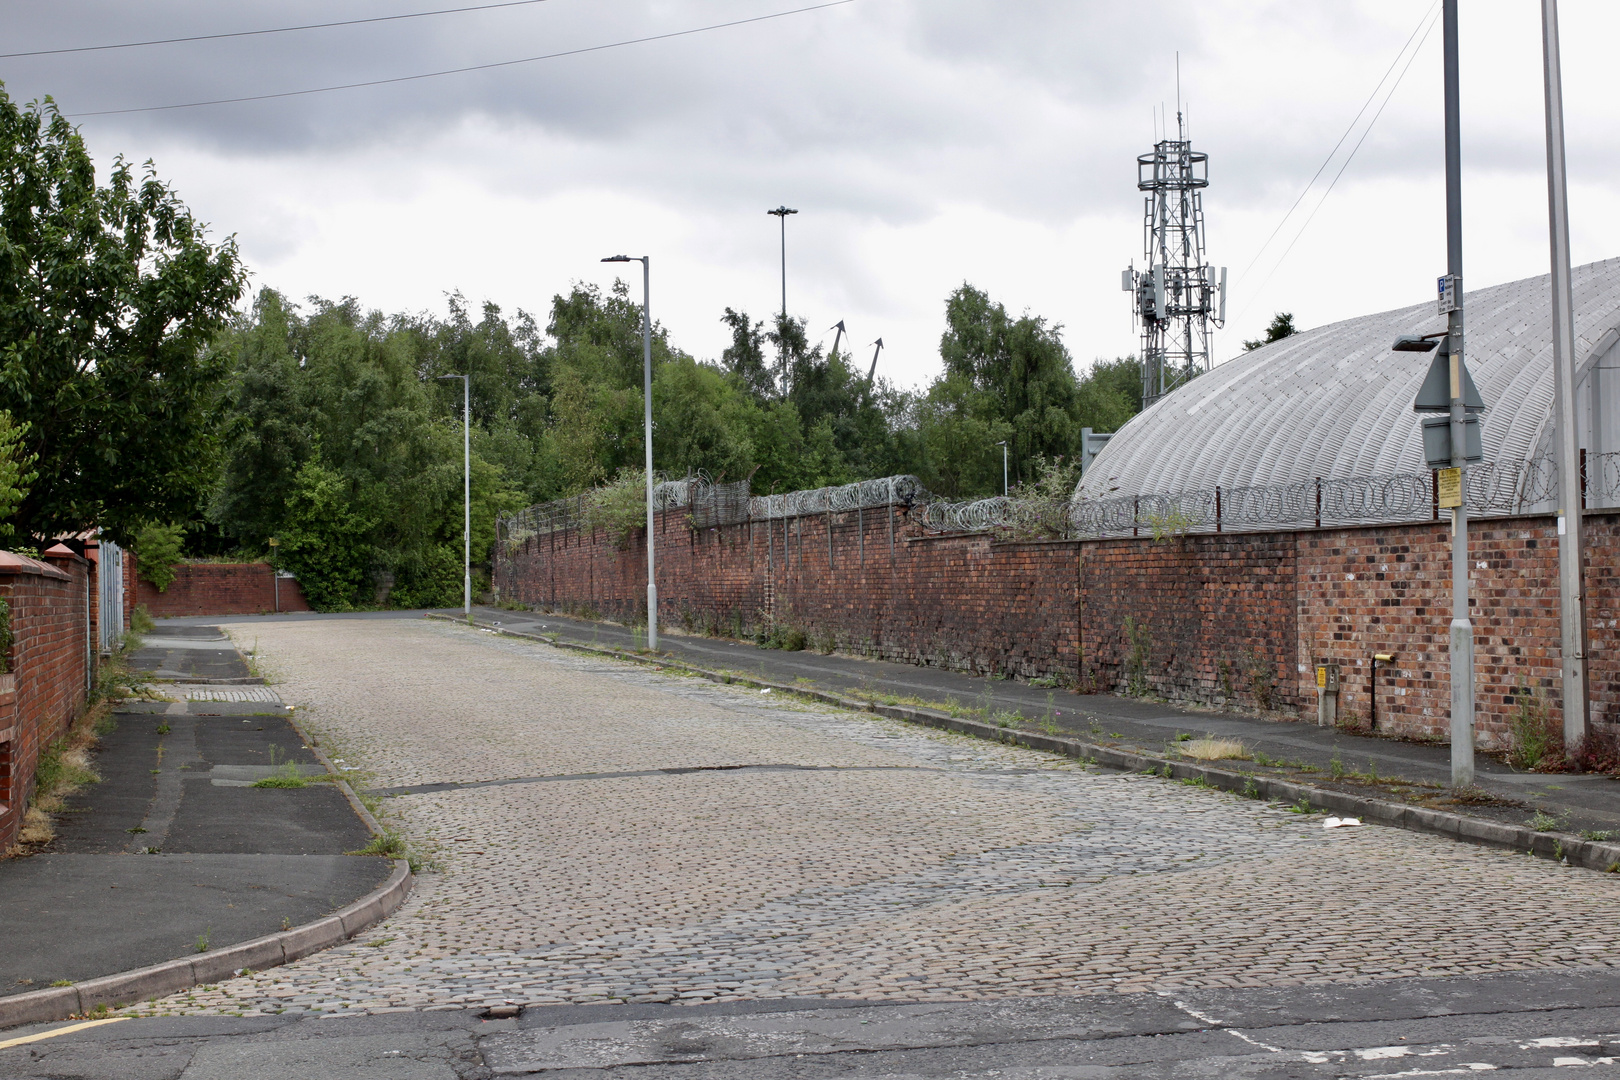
{"x": 1450, "y": 488}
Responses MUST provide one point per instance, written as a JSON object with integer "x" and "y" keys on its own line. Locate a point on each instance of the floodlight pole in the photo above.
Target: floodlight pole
{"x": 1462, "y": 627}
{"x": 647, "y": 432}
{"x": 1571, "y": 551}
{"x": 466, "y": 492}
{"x": 781, "y": 213}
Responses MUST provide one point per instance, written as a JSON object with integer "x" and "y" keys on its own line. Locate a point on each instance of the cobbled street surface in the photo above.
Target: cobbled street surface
{"x": 881, "y": 861}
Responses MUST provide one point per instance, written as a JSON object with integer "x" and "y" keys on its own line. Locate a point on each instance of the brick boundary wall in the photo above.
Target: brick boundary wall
{"x": 1226, "y": 619}
{"x": 215, "y": 589}
{"x": 50, "y": 658}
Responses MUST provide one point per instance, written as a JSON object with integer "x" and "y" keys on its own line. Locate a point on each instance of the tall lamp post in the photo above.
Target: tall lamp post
{"x": 466, "y": 492}
{"x": 1455, "y": 440}
{"x": 647, "y": 437}
{"x": 1571, "y": 552}
{"x": 781, "y": 213}
{"x": 1003, "y": 445}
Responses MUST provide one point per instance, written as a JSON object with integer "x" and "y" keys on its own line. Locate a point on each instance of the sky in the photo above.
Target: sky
{"x": 925, "y": 143}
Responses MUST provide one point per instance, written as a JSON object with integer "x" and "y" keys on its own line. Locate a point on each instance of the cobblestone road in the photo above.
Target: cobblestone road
{"x": 834, "y": 854}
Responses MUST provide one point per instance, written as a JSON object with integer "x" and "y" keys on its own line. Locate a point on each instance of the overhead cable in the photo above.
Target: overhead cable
{"x": 463, "y": 70}
{"x": 272, "y": 30}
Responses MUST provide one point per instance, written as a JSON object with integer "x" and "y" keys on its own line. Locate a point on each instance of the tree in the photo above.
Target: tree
{"x": 109, "y": 297}
{"x": 16, "y": 470}
{"x": 1282, "y": 325}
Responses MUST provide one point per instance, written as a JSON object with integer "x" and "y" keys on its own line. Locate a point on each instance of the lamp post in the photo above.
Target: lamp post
{"x": 466, "y": 492}
{"x": 781, "y": 213}
{"x": 1571, "y": 552}
{"x": 646, "y": 399}
{"x": 1454, "y": 441}
{"x": 1003, "y": 445}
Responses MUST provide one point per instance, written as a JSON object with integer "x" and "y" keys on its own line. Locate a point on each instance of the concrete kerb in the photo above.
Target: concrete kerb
{"x": 158, "y": 980}
{"x": 272, "y": 950}
{"x": 1556, "y": 846}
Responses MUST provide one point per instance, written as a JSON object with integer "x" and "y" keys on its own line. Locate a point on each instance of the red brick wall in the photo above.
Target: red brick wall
{"x": 1226, "y": 619}
{"x": 217, "y": 589}
{"x": 49, "y": 662}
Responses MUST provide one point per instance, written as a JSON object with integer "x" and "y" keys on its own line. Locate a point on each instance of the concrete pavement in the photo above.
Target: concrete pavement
{"x": 175, "y": 853}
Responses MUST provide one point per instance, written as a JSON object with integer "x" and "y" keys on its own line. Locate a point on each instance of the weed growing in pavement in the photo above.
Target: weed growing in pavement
{"x": 390, "y": 845}
{"x": 1263, "y": 758}
{"x": 1336, "y": 766}
{"x": 1183, "y": 736}
{"x": 1048, "y": 722}
{"x": 141, "y": 621}
{"x": 1301, "y": 807}
{"x": 62, "y": 982}
{"x": 288, "y": 776}
{"x": 1541, "y": 821}
{"x": 203, "y": 939}
{"x": 1251, "y": 790}
{"x": 1536, "y": 741}
{"x": 1115, "y": 735}
{"x": 1006, "y": 718}
{"x": 1044, "y": 682}
{"x": 1209, "y": 748}
{"x": 1600, "y": 835}
{"x": 163, "y": 729}
{"x": 1195, "y": 781}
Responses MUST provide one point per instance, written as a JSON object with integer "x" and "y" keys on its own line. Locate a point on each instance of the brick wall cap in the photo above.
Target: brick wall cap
{"x": 12, "y": 563}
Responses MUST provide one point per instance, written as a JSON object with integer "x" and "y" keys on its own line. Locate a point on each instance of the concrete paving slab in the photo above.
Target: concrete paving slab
{"x": 78, "y": 917}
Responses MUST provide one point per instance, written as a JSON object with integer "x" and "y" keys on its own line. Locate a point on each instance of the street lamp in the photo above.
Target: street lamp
{"x": 466, "y": 492}
{"x": 1571, "y": 578}
{"x": 1003, "y": 445}
{"x": 782, "y": 213}
{"x": 646, "y": 397}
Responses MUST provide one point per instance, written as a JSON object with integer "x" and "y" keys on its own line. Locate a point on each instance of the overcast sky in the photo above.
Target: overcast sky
{"x": 924, "y": 143}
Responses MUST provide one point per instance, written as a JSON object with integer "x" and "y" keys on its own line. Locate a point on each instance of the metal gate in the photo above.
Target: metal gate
{"x": 110, "y": 603}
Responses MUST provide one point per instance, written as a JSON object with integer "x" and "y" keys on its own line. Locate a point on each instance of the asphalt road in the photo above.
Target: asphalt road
{"x": 1400, "y": 1028}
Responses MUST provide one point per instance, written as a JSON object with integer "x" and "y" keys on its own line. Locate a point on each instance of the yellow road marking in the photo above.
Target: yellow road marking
{"x": 61, "y": 1031}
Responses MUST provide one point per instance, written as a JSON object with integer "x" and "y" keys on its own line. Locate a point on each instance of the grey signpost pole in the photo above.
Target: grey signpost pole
{"x": 1003, "y": 445}
{"x": 1462, "y": 627}
{"x": 1571, "y": 601}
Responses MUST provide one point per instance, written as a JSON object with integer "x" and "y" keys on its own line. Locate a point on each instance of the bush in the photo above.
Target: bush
{"x": 433, "y": 581}
{"x": 324, "y": 542}
{"x": 157, "y": 549}
{"x": 619, "y": 507}
{"x": 1536, "y": 742}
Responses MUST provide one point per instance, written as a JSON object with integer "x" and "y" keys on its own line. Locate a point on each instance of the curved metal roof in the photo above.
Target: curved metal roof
{"x": 1336, "y": 402}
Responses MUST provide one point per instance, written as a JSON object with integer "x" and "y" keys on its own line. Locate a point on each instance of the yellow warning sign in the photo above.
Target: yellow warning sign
{"x": 1450, "y": 488}
{"x": 1321, "y": 677}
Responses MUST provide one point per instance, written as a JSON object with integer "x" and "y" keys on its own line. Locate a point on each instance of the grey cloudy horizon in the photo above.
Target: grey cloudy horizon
{"x": 925, "y": 143}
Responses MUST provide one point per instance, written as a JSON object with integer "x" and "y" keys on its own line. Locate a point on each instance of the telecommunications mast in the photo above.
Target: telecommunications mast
{"x": 1177, "y": 296}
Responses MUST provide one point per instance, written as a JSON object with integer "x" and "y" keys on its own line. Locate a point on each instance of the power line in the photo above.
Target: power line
{"x": 273, "y": 30}
{"x": 1329, "y": 159}
{"x": 463, "y": 70}
{"x": 1428, "y": 17}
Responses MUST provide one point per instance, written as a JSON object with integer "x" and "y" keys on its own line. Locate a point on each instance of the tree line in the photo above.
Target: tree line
{"x": 138, "y": 396}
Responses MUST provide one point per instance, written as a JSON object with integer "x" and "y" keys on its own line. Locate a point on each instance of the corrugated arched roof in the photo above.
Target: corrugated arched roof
{"x": 1335, "y": 402}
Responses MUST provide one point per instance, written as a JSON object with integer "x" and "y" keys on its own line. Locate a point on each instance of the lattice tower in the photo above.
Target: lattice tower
{"x": 1178, "y": 297}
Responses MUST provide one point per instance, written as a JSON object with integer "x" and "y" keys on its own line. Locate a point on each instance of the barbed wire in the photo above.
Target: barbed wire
{"x": 1494, "y": 489}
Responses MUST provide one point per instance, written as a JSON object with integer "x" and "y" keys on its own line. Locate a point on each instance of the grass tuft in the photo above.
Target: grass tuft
{"x": 1210, "y": 748}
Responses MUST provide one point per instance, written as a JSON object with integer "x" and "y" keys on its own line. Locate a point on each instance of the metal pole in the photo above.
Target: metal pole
{"x": 1003, "y": 470}
{"x": 1571, "y": 602}
{"x": 783, "y": 218}
{"x": 1462, "y": 627}
{"x": 466, "y": 492}
{"x": 646, "y": 386}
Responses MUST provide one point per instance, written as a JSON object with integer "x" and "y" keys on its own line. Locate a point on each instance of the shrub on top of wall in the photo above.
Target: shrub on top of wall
{"x": 157, "y": 547}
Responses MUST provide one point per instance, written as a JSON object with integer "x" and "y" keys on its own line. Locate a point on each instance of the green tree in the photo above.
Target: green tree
{"x": 325, "y": 540}
{"x": 109, "y": 297}
{"x": 158, "y": 548}
{"x": 1281, "y": 326}
{"x": 17, "y": 470}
